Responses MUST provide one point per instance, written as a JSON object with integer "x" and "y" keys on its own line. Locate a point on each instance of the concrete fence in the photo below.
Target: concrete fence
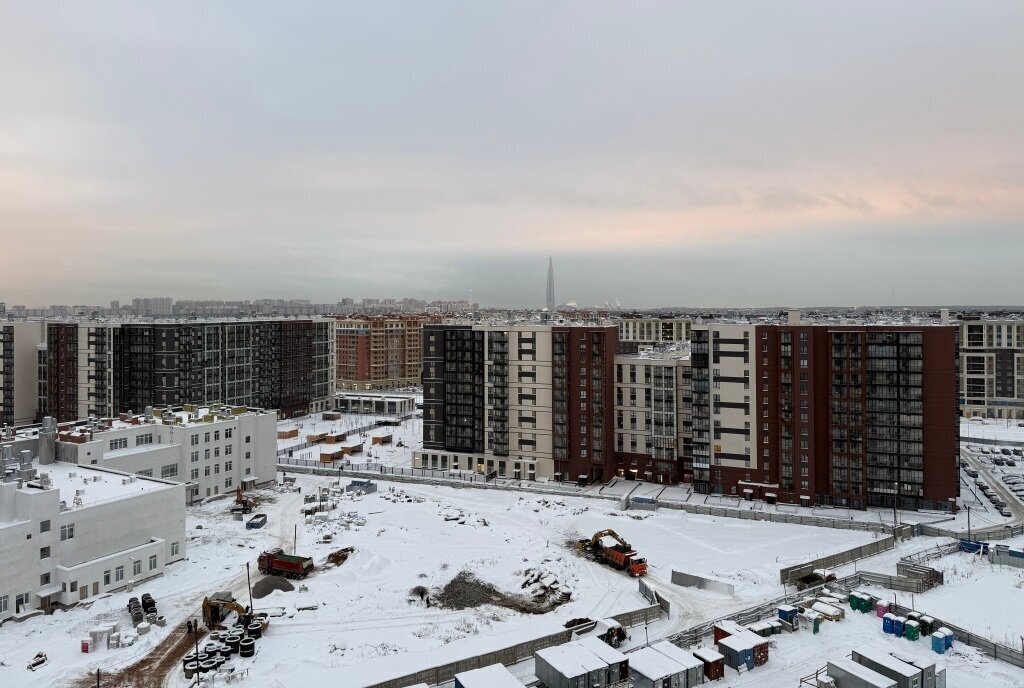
{"x": 514, "y": 654}
{"x": 692, "y": 580}
{"x": 791, "y": 574}
{"x": 993, "y": 533}
{"x": 655, "y": 597}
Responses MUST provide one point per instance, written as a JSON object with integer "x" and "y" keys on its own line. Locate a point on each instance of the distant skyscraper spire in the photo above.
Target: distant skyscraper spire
{"x": 551, "y": 285}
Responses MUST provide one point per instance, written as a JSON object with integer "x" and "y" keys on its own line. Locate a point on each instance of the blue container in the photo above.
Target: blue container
{"x": 897, "y": 626}
{"x": 939, "y": 642}
{"x": 888, "y": 622}
{"x": 949, "y": 636}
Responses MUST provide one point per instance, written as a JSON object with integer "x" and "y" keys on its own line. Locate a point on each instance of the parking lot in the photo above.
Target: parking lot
{"x": 995, "y": 475}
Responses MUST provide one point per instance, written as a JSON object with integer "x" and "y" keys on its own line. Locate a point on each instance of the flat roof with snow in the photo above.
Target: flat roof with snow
{"x": 869, "y": 676}
{"x": 654, "y": 665}
{"x": 493, "y": 676}
{"x": 570, "y": 660}
{"x": 94, "y": 485}
{"x": 677, "y": 654}
{"x": 883, "y": 658}
{"x": 601, "y": 650}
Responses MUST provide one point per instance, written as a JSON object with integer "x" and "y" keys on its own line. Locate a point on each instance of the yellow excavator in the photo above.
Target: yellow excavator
{"x": 619, "y": 556}
{"x": 219, "y": 605}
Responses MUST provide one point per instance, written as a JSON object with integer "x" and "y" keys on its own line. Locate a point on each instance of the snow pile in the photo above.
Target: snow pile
{"x": 550, "y": 506}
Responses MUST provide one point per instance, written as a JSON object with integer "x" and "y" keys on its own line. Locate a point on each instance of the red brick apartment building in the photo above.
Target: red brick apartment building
{"x": 380, "y": 352}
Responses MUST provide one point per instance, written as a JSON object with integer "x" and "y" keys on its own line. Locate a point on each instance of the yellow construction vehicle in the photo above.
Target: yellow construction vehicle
{"x": 218, "y": 606}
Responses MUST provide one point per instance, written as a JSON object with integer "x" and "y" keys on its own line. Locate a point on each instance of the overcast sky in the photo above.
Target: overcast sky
{"x": 716, "y": 153}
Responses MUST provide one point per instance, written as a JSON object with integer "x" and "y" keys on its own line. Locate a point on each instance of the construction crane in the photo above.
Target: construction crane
{"x": 620, "y": 556}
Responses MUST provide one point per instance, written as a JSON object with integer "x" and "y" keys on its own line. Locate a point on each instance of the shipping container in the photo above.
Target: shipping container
{"x": 694, "y": 667}
{"x": 848, "y": 674}
{"x": 494, "y": 676}
{"x": 738, "y": 651}
{"x": 905, "y": 675}
{"x": 569, "y": 666}
{"x": 927, "y": 668}
{"x": 714, "y": 663}
{"x": 617, "y": 663}
{"x": 651, "y": 669}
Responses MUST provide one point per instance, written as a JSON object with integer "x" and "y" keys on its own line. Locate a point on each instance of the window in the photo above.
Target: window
{"x": 147, "y": 473}
{"x": 247, "y": 438}
{"x": 74, "y": 586}
{"x": 248, "y": 455}
{"x": 206, "y": 471}
{"x": 227, "y": 433}
{"x": 206, "y": 437}
{"x": 44, "y": 579}
{"x": 227, "y": 450}
{"x": 227, "y": 466}
{"x": 119, "y": 443}
{"x": 67, "y": 532}
{"x": 216, "y": 468}
{"x": 119, "y": 574}
{"x": 227, "y": 482}
{"x": 169, "y": 471}
{"x": 194, "y": 475}
{"x": 206, "y": 454}
{"x": 175, "y": 548}
{"x": 216, "y": 452}
{"x": 195, "y": 440}
{"x": 137, "y": 567}
{"x": 146, "y": 438}
{"x": 195, "y": 457}
{"x": 44, "y": 526}
{"x": 216, "y": 435}
{"x": 44, "y": 552}
{"x": 106, "y": 577}
{"x": 152, "y": 562}
{"x": 4, "y": 604}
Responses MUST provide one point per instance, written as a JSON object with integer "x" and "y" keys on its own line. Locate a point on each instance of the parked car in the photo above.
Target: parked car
{"x": 1011, "y": 462}
{"x": 1017, "y": 451}
{"x": 1005, "y": 451}
{"x": 999, "y": 462}
{"x": 986, "y": 450}
{"x": 1005, "y": 512}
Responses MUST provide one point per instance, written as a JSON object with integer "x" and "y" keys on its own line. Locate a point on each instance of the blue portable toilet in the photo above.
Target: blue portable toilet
{"x": 939, "y": 642}
{"x": 897, "y": 626}
{"x": 948, "y": 635}
{"x": 888, "y": 622}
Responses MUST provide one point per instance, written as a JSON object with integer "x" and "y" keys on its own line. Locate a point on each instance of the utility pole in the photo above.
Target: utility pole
{"x": 968, "y": 522}
{"x": 895, "y": 499}
{"x": 249, "y": 581}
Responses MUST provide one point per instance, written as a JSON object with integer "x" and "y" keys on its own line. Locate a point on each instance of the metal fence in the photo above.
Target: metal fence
{"x": 654, "y": 597}
{"x": 993, "y": 649}
{"x": 778, "y": 517}
{"x": 514, "y": 654}
{"x": 791, "y": 574}
{"x": 993, "y": 533}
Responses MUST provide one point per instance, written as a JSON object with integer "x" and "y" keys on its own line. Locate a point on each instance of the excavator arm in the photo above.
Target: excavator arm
{"x": 596, "y": 540}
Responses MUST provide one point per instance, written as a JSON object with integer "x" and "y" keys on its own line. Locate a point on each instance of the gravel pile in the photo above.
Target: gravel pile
{"x": 267, "y": 585}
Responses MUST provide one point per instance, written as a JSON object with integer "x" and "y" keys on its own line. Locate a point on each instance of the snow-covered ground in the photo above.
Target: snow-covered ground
{"x": 361, "y": 621}
{"x": 409, "y": 432}
{"x": 998, "y": 429}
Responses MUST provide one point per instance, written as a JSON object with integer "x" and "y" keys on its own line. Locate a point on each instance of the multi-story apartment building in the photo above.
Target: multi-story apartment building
{"x": 639, "y": 333}
{"x": 105, "y": 368}
{"x": 992, "y": 368}
{"x": 859, "y": 415}
{"x": 520, "y": 401}
{"x": 20, "y": 342}
{"x": 71, "y": 532}
{"x": 814, "y": 413}
{"x": 212, "y": 450}
{"x": 653, "y": 414}
{"x": 380, "y": 352}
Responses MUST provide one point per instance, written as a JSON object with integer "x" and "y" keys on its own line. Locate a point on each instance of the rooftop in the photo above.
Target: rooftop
{"x": 91, "y": 485}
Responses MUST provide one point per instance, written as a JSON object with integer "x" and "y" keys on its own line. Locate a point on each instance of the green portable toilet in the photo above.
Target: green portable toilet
{"x": 854, "y": 601}
{"x": 912, "y": 630}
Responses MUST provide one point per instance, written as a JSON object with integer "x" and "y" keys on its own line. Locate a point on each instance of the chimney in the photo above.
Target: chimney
{"x": 48, "y": 441}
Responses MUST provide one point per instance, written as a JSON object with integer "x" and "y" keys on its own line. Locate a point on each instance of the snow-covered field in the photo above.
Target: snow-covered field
{"x": 361, "y": 621}
{"x": 409, "y": 432}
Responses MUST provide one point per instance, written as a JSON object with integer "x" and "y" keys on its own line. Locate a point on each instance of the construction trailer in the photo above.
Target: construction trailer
{"x": 905, "y": 675}
{"x": 618, "y": 664}
{"x": 694, "y": 667}
{"x": 569, "y": 666}
{"x": 758, "y": 643}
{"x": 846, "y": 673}
{"x": 493, "y": 676}
{"x": 651, "y": 669}
{"x": 738, "y": 651}
{"x": 931, "y": 676}
{"x": 714, "y": 663}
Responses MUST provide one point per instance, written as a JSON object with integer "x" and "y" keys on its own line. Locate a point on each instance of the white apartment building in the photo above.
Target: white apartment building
{"x": 653, "y": 423}
{"x": 69, "y": 533}
{"x": 992, "y": 368}
{"x": 213, "y": 450}
{"x": 20, "y": 343}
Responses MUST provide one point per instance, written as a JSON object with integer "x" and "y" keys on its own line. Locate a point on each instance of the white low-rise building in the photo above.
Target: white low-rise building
{"x": 213, "y": 450}
{"x": 70, "y": 532}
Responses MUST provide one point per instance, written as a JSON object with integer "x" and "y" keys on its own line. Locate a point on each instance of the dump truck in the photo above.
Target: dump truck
{"x": 275, "y": 562}
{"x": 619, "y": 555}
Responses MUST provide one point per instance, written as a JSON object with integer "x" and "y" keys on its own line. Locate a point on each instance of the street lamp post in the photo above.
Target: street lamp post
{"x": 968, "y": 522}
